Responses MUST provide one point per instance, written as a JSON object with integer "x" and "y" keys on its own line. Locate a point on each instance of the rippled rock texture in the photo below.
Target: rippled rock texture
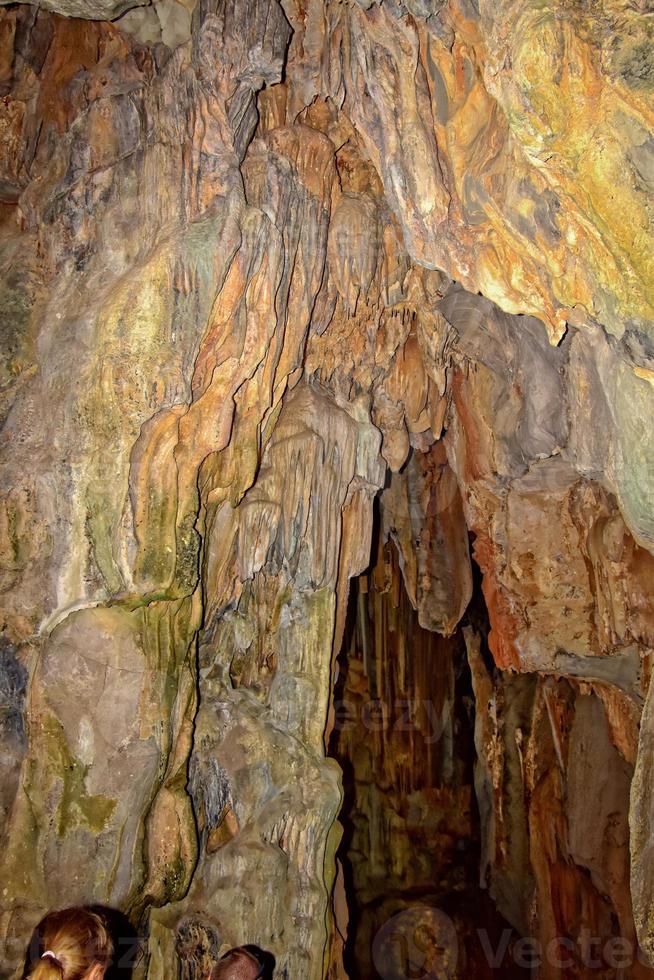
{"x": 263, "y": 264}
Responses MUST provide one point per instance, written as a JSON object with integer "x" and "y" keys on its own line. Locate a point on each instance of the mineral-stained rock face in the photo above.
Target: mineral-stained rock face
{"x": 294, "y": 293}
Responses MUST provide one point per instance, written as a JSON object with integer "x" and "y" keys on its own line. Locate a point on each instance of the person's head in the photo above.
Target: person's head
{"x": 241, "y": 963}
{"x": 72, "y": 944}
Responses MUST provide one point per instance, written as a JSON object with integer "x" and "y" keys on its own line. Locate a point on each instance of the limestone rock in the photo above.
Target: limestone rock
{"x": 542, "y": 856}
{"x": 89, "y": 9}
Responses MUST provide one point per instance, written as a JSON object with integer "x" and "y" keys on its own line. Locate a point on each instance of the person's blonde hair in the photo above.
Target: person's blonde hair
{"x": 67, "y": 944}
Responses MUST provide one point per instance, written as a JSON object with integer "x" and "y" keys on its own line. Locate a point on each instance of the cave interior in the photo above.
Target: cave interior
{"x": 327, "y": 502}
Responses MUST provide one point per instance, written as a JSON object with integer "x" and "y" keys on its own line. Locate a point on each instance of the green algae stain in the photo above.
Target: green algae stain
{"x": 100, "y": 532}
{"x": 188, "y": 554}
{"x": 76, "y": 808}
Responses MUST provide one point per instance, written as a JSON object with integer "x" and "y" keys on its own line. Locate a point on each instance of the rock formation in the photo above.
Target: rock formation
{"x": 327, "y": 376}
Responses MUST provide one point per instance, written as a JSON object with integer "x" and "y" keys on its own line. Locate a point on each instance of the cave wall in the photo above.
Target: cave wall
{"x": 240, "y": 278}
{"x": 553, "y": 789}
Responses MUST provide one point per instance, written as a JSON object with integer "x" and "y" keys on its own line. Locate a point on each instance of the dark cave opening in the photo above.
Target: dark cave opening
{"x": 404, "y": 736}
